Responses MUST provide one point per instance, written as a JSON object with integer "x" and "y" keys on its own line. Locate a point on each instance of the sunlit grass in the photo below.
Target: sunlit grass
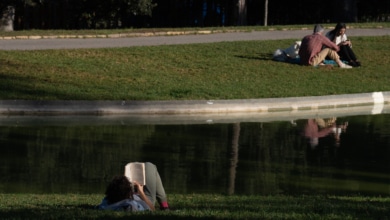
{"x": 226, "y": 70}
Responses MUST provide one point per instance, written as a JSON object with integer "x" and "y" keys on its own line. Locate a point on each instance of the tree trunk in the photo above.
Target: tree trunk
{"x": 7, "y": 19}
{"x": 266, "y": 13}
{"x": 241, "y": 12}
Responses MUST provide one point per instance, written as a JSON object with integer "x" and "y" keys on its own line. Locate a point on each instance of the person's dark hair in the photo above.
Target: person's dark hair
{"x": 337, "y": 29}
{"x": 119, "y": 189}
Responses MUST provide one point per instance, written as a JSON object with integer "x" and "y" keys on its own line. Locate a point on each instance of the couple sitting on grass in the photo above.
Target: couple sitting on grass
{"x": 315, "y": 49}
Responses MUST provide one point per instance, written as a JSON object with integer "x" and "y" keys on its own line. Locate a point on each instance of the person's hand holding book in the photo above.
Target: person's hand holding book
{"x": 139, "y": 187}
{"x": 141, "y": 193}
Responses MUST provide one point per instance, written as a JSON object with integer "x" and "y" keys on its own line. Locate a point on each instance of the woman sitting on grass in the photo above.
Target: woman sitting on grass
{"x": 123, "y": 195}
{"x": 338, "y": 36}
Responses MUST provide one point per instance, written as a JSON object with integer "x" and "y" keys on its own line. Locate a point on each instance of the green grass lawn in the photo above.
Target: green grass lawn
{"x": 226, "y": 70}
{"x": 72, "y": 206}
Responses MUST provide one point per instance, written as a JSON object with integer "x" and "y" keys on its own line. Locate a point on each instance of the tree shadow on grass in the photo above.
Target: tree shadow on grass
{"x": 88, "y": 212}
{"x": 211, "y": 210}
{"x": 250, "y": 208}
{"x": 24, "y": 85}
{"x": 260, "y": 56}
{"x": 80, "y": 213}
{"x": 267, "y": 57}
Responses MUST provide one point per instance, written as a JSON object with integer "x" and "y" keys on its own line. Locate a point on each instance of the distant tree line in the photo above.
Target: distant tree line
{"x": 102, "y": 14}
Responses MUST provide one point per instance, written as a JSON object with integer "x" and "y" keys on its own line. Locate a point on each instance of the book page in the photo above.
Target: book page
{"x": 135, "y": 171}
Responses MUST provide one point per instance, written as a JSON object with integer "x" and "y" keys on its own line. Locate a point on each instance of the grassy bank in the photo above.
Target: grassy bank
{"x": 226, "y": 70}
{"x": 14, "y": 206}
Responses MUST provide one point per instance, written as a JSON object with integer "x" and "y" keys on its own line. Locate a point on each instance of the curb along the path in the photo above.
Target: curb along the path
{"x": 294, "y": 104}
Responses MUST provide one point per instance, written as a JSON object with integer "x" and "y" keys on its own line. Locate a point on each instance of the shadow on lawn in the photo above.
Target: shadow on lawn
{"x": 254, "y": 208}
{"x": 86, "y": 212}
{"x": 18, "y": 86}
{"x": 260, "y": 56}
{"x": 26, "y": 85}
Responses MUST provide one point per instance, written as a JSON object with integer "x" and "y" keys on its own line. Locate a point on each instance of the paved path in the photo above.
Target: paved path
{"x": 108, "y": 42}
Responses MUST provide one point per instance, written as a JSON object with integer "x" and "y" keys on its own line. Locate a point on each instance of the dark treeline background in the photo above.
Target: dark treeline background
{"x": 99, "y": 14}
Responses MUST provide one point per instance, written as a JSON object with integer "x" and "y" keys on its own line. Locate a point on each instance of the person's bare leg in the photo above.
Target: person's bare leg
{"x": 334, "y": 56}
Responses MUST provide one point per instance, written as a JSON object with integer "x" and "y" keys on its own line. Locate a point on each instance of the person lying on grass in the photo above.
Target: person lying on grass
{"x": 122, "y": 195}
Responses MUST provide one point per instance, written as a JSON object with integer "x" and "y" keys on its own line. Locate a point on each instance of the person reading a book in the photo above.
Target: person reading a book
{"x": 121, "y": 194}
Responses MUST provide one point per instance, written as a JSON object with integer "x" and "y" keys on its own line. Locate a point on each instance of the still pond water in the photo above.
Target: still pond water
{"x": 81, "y": 154}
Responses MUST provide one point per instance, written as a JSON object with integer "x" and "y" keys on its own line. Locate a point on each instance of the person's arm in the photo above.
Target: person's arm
{"x": 142, "y": 195}
{"x": 330, "y": 44}
{"x": 345, "y": 40}
{"x": 325, "y": 131}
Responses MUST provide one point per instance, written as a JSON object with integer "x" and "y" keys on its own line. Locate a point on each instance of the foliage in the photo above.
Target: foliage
{"x": 93, "y": 14}
{"x": 108, "y": 14}
{"x": 82, "y": 13}
{"x": 22, "y": 2}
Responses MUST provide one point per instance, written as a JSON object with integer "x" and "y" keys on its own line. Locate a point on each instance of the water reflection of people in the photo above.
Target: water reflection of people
{"x": 322, "y": 138}
{"x": 121, "y": 196}
{"x": 337, "y": 130}
{"x": 318, "y": 128}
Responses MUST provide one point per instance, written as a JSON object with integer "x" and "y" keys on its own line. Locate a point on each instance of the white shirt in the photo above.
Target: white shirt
{"x": 338, "y": 39}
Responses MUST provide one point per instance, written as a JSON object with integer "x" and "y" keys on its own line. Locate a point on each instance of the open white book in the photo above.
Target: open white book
{"x": 135, "y": 171}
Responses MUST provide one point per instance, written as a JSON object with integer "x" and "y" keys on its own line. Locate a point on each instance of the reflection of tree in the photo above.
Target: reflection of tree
{"x": 60, "y": 158}
{"x": 234, "y": 158}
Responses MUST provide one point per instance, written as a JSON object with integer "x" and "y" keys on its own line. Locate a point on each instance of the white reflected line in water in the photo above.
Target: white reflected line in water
{"x": 379, "y": 101}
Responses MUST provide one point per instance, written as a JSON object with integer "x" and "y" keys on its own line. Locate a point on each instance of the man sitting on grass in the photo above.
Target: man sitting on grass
{"x": 316, "y": 47}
